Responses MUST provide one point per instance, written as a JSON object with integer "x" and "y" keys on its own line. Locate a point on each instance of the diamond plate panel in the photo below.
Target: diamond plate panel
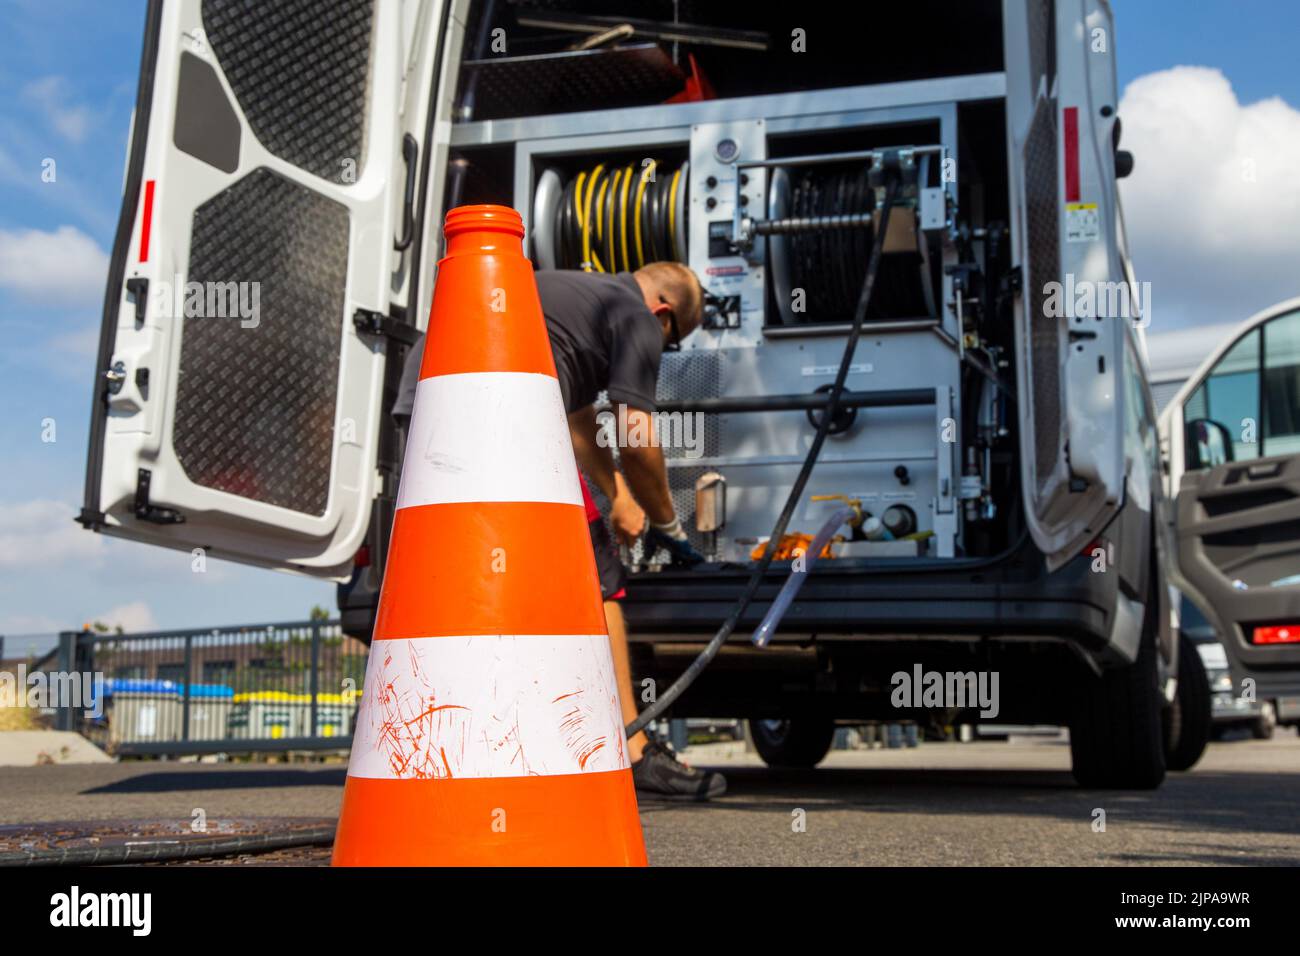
{"x": 255, "y": 405}
{"x": 691, "y": 375}
{"x": 299, "y": 69}
{"x": 1042, "y": 40}
{"x": 1042, "y": 215}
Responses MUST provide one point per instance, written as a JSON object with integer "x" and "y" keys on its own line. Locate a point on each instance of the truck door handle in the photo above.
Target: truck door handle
{"x": 410, "y": 150}
{"x": 138, "y": 287}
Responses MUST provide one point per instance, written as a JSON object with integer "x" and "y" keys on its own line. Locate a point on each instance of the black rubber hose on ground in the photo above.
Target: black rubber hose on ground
{"x": 180, "y": 850}
{"x": 688, "y": 676}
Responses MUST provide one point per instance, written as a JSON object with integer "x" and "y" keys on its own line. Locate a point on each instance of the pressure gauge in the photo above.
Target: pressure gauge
{"x": 727, "y": 151}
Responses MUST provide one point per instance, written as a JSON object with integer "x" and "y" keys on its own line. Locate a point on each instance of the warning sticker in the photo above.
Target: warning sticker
{"x": 1082, "y": 223}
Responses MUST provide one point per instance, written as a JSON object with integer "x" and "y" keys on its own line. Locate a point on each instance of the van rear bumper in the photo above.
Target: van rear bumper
{"x": 1015, "y": 597}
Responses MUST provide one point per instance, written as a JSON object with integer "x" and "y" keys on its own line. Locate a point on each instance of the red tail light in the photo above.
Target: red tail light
{"x": 362, "y": 558}
{"x": 1091, "y": 548}
{"x": 1277, "y": 634}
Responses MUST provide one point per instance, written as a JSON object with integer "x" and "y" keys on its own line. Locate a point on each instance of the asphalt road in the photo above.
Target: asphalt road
{"x": 983, "y": 803}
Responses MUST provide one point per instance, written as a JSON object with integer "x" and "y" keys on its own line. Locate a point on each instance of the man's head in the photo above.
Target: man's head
{"x": 675, "y": 297}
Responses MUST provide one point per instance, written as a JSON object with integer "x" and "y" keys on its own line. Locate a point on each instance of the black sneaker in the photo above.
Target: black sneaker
{"x": 660, "y": 774}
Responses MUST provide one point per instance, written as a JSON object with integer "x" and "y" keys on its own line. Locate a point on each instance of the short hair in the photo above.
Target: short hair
{"x": 677, "y": 282}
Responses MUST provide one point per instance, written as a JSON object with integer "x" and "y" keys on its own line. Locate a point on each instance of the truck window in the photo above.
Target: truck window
{"x": 1230, "y": 396}
{"x": 1280, "y": 425}
{"x": 1254, "y": 391}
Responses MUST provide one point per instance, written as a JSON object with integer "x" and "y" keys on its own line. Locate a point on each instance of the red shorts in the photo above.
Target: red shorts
{"x": 613, "y": 576}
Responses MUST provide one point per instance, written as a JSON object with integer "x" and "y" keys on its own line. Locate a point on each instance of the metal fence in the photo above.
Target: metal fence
{"x": 262, "y": 687}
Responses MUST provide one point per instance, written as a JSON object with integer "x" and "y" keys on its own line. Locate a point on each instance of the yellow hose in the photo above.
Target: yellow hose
{"x": 600, "y": 220}
{"x": 587, "y": 259}
{"x": 672, "y": 214}
{"x": 627, "y": 186}
{"x": 577, "y": 197}
{"x": 647, "y": 171}
{"x": 611, "y": 247}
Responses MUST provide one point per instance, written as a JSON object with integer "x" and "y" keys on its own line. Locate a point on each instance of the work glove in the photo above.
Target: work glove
{"x": 672, "y": 537}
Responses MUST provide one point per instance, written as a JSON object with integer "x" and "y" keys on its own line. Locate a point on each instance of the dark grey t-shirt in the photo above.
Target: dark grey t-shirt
{"x": 602, "y": 335}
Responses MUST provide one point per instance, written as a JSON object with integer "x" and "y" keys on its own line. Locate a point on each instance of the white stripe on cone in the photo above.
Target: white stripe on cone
{"x": 488, "y": 436}
{"x": 488, "y": 706}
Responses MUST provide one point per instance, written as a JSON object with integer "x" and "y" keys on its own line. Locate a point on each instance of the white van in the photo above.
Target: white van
{"x": 289, "y": 170}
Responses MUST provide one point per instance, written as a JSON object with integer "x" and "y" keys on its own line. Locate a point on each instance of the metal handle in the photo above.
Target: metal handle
{"x": 410, "y": 150}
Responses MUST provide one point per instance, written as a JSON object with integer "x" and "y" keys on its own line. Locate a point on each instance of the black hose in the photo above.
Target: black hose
{"x": 179, "y": 850}
{"x": 687, "y": 677}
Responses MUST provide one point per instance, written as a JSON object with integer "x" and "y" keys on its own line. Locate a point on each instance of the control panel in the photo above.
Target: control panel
{"x": 735, "y": 281}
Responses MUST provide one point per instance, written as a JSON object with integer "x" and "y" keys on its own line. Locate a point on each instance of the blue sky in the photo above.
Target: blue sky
{"x": 1252, "y": 41}
{"x": 67, "y": 80}
{"x": 68, "y": 74}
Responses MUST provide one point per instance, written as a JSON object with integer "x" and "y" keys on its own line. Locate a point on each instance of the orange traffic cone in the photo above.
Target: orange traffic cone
{"x": 489, "y": 730}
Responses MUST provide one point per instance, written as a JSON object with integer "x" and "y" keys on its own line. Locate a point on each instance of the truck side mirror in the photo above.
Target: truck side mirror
{"x": 1206, "y": 443}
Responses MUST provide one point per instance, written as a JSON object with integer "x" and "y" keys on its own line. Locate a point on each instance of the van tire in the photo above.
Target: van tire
{"x": 1116, "y": 731}
{"x": 800, "y": 742}
{"x": 1187, "y": 720}
{"x": 1262, "y": 727}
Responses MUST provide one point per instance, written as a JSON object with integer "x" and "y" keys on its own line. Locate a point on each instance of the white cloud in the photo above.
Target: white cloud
{"x": 64, "y": 267}
{"x": 42, "y": 533}
{"x": 1214, "y": 197}
{"x": 48, "y": 95}
{"x": 136, "y": 616}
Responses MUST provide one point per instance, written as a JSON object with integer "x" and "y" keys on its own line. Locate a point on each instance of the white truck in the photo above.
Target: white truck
{"x": 289, "y": 169}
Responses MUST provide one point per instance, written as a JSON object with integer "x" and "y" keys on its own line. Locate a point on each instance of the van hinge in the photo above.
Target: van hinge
{"x": 91, "y": 520}
{"x": 147, "y": 512}
{"x": 370, "y": 322}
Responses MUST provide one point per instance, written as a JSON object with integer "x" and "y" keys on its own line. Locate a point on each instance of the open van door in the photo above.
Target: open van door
{"x": 1073, "y": 298}
{"x": 259, "y": 276}
{"x": 1232, "y": 435}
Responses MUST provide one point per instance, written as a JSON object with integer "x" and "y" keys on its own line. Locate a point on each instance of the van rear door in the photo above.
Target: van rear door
{"x": 1073, "y": 297}
{"x": 267, "y": 216}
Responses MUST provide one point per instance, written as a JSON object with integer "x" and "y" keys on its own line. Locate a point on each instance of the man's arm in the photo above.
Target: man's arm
{"x": 643, "y": 464}
{"x": 597, "y": 461}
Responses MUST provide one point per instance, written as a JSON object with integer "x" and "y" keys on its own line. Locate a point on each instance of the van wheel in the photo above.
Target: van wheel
{"x": 1116, "y": 734}
{"x": 1263, "y": 726}
{"x": 1187, "y": 720}
{"x": 799, "y": 742}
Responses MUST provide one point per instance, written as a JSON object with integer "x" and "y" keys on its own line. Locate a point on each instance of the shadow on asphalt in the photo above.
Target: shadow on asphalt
{"x": 254, "y": 778}
{"x": 1226, "y": 802}
{"x": 1186, "y": 855}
